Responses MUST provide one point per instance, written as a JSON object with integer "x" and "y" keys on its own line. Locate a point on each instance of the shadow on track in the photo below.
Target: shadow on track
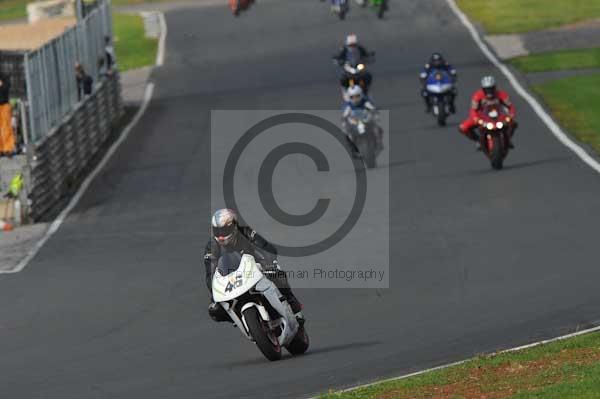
{"x": 522, "y": 165}
{"x": 508, "y": 167}
{"x": 311, "y": 352}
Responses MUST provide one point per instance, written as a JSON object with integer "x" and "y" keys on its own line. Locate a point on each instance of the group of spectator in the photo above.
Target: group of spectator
{"x": 85, "y": 87}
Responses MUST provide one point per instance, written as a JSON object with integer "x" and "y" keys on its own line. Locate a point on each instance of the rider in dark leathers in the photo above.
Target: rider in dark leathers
{"x": 243, "y": 239}
{"x": 352, "y": 51}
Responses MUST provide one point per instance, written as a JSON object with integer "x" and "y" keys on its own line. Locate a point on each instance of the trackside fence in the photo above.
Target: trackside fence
{"x": 65, "y": 130}
{"x": 50, "y": 70}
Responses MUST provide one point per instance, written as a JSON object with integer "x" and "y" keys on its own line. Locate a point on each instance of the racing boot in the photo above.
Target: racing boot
{"x": 428, "y": 106}
{"x": 217, "y": 313}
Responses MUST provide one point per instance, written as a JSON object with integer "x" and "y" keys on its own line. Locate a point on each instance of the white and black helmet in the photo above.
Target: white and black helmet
{"x": 224, "y": 226}
{"x": 488, "y": 84}
{"x": 355, "y": 94}
{"x": 351, "y": 40}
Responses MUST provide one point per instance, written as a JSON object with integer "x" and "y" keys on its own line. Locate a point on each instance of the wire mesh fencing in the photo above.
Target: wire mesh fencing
{"x": 52, "y": 86}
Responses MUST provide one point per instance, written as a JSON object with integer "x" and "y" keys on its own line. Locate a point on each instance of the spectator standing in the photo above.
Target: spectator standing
{"x": 109, "y": 53}
{"x": 85, "y": 83}
{"x": 7, "y": 135}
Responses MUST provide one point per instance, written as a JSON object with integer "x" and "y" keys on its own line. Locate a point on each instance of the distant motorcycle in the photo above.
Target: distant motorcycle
{"x": 253, "y": 302}
{"x": 237, "y": 6}
{"x": 340, "y": 8}
{"x": 356, "y": 73}
{"x": 379, "y": 5}
{"x": 495, "y": 128}
{"x": 440, "y": 85}
{"x": 362, "y": 127}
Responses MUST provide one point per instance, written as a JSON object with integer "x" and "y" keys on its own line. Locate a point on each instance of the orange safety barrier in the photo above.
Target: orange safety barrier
{"x": 7, "y": 135}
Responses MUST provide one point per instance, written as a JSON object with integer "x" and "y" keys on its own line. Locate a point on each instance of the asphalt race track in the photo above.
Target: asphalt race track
{"x": 114, "y": 304}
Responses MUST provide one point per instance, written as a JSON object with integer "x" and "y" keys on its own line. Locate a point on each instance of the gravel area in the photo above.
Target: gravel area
{"x": 26, "y": 36}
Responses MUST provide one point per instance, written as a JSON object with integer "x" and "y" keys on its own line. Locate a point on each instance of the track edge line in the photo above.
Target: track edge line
{"x": 55, "y": 225}
{"x": 554, "y": 128}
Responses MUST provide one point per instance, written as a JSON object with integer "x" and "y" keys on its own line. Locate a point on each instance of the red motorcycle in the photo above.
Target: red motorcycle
{"x": 495, "y": 130}
{"x": 238, "y": 6}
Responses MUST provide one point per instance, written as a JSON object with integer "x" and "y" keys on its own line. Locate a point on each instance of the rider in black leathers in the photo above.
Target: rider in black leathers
{"x": 243, "y": 239}
{"x": 352, "y": 51}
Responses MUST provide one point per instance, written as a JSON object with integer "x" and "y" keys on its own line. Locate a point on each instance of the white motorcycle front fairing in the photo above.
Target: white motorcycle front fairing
{"x": 439, "y": 88}
{"x": 249, "y": 276}
{"x": 231, "y": 286}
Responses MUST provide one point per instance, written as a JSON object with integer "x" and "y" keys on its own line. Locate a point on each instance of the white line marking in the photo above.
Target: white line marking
{"x": 558, "y": 133}
{"x": 445, "y": 366}
{"x": 160, "y": 58}
{"x": 555, "y": 129}
{"x": 160, "y": 55}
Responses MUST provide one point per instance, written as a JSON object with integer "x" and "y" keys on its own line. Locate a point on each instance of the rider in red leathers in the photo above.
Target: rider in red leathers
{"x": 488, "y": 94}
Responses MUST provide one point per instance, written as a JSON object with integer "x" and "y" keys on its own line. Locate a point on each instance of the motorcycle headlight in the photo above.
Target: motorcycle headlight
{"x": 360, "y": 67}
{"x": 490, "y": 126}
{"x": 499, "y": 125}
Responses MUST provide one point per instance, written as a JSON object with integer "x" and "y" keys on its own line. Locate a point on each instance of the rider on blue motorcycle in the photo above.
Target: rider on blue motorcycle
{"x": 360, "y": 102}
{"x": 437, "y": 61}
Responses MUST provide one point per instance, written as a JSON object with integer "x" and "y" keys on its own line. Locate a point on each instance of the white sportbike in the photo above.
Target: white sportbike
{"x": 253, "y": 303}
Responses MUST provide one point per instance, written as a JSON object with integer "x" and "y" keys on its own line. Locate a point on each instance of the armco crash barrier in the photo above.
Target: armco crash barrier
{"x": 60, "y": 159}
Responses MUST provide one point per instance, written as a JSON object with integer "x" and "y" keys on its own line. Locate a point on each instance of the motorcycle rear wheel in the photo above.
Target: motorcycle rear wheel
{"x": 263, "y": 338}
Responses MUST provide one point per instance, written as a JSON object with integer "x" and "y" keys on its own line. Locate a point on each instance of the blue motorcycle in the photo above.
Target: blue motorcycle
{"x": 439, "y": 86}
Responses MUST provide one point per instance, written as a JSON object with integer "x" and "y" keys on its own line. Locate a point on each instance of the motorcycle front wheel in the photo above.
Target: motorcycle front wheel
{"x": 263, "y": 337}
{"x": 497, "y": 153}
{"x": 441, "y": 115}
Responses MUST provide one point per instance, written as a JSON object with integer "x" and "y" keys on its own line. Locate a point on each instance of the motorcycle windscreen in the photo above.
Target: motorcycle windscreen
{"x": 228, "y": 262}
{"x": 235, "y": 275}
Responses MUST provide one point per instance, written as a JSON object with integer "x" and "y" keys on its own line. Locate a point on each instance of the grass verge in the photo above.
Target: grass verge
{"x": 568, "y": 369}
{"x": 575, "y": 103}
{"x": 518, "y": 16}
{"x": 558, "y": 60}
{"x": 13, "y": 9}
{"x": 133, "y": 48}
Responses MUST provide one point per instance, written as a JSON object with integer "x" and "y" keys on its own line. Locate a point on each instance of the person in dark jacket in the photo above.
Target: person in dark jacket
{"x": 229, "y": 236}
{"x": 85, "y": 83}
